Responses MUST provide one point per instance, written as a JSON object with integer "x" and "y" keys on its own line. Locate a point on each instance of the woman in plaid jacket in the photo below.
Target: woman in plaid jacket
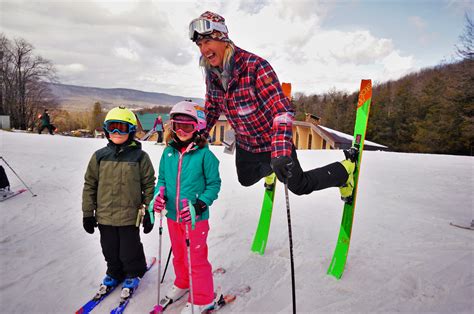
{"x": 245, "y": 88}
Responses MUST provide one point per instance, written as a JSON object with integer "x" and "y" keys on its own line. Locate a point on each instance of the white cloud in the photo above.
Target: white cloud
{"x": 358, "y": 47}
{"x": 252, "y": 6}
{"x": 73, "y": 68}
{"x": 303, "y": 9}
{"x": 116, "y": 7}
{"x": 396, "y": 65}
{"x": 126, "y": 53}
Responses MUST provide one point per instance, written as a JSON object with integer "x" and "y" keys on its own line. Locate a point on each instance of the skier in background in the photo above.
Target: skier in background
{"x": 46, "y": 123}
{"x": 246, "y": 89}
{"x": 118, "y": 181}
{"x": 4, "y": 183}
{"x": 158, "y": 127}
{"x": 188, "y": 170}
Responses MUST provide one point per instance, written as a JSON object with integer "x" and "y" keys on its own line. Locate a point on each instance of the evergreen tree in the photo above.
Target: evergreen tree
{"x": 97, "y": 117}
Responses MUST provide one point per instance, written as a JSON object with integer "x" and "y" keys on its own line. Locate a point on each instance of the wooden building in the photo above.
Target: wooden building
{"x": 308, "y": 134}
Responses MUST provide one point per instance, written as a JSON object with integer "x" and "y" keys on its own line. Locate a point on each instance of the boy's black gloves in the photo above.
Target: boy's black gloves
{"x": 282, "y": 167}
{"x": 147, "y": 225}
{"x": 199, "y": 207}
{"x": 89, "y": 223}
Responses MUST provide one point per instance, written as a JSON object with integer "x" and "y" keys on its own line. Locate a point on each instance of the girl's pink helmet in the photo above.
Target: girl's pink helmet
{"x": 191, "y": 109}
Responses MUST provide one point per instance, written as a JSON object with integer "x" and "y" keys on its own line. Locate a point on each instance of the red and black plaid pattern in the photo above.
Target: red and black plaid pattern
{"x": 254, "y": 105}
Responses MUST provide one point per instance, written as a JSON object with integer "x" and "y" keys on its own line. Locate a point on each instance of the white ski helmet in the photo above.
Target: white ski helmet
{"x": 191, "y": 109}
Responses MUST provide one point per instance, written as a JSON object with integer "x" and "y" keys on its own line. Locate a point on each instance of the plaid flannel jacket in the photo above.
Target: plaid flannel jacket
{"x": 254, "y": 105}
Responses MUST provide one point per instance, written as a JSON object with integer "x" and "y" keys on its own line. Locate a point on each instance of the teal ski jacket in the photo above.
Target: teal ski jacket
{"x": 191, "y": 175}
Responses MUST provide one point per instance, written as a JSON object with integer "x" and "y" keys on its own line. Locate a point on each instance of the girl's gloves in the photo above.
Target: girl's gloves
{"x": 89, "y": 223}
{"x": 160, "y": 204}
{"x": 199, "y": 208}
{"x": 147, "y": 225}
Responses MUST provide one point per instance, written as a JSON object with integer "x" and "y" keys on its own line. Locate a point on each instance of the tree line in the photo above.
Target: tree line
{"x": 430, "y": 111}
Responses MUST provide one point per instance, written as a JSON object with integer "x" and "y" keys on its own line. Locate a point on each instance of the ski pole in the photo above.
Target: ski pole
{"x": 6, "y": 163}
{"x": 166, "y": 266}
{"x": 158, "y": 308}
{"x": 162, "y": 193}
{"x": 185, "y": 203}
{"x": 290, "y": 236}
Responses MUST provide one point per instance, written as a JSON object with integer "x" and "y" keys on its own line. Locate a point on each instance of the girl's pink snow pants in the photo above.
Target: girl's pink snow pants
{"x": 203, "y": 285}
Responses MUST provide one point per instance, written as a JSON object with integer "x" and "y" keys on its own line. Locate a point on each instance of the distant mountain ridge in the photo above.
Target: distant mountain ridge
{"x": 82, "y": 97}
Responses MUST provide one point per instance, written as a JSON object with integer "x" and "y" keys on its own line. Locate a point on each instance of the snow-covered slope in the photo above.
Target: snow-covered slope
{"x": 404, "y": 256}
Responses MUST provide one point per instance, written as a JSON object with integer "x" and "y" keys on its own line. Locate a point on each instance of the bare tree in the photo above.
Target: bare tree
{"x": 466, "y": 48}
{"x": 24, "y": 76}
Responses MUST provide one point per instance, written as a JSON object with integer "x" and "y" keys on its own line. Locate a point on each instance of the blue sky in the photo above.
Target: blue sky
{"x": 315, "y": 45}
{"x": 426, "y": 29}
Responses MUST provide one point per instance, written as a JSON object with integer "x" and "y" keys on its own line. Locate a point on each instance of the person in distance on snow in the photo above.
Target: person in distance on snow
{"x": 246, "y": 89}
{"x": 188, "y": 171}
{"x": 118, "y": 181}
{"x": 158, "y": 127}
{"x": 46, "y": 123}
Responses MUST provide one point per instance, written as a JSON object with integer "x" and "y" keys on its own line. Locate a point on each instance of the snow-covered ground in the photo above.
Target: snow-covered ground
{"x": 404, "y": 256}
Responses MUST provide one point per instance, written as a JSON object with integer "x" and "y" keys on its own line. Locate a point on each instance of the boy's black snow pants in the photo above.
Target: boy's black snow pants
{"x": 123, "y": 251}
{"x": 251, "y": 167}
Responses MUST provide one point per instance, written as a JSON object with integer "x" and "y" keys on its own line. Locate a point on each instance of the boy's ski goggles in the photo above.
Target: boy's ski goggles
{"x": 184, "y": 127}
{"x": 119, "y": 127}
{"x": 205, "y": 27}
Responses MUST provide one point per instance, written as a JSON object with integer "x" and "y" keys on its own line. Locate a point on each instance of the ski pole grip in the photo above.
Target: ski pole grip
{"x": 162, "y": 194}
{"x": 141, "y": 213}
{"x": 184, "y": 203}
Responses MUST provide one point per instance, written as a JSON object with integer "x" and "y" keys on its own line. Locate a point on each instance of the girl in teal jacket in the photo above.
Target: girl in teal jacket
{"x": 189, "y": 173}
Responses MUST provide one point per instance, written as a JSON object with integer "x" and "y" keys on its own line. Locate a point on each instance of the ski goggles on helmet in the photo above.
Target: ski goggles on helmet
{"x": 184, "y": 127}
{"x": 205, "y": 27}
{"x": 119, "y": 127}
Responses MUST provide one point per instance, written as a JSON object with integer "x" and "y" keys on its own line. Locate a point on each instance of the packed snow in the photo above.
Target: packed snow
{"x": 404, "y": 255}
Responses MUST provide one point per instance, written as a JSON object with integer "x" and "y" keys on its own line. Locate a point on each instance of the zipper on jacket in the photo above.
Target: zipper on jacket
{"x": 178, "y": 179}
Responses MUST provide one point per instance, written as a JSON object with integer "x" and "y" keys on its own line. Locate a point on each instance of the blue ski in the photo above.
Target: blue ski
{"x": 92, "y": 303}
{"x": 89, "y": 306}
{"x": 123, "y": 303}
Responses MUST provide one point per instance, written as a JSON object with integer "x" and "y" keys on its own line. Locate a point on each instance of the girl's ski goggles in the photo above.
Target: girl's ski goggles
{"x": 119, "y": 127}
{"x": 184, "y": 127}
{"x": 205, "y": 27}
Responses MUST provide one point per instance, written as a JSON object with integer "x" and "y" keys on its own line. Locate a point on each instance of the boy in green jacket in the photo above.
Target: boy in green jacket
{"x": 119, "y": 180}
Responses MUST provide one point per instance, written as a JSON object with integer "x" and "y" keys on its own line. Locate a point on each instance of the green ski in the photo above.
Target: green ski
{"x": 263, "y": 229}
{"x": 339, "y": 258}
